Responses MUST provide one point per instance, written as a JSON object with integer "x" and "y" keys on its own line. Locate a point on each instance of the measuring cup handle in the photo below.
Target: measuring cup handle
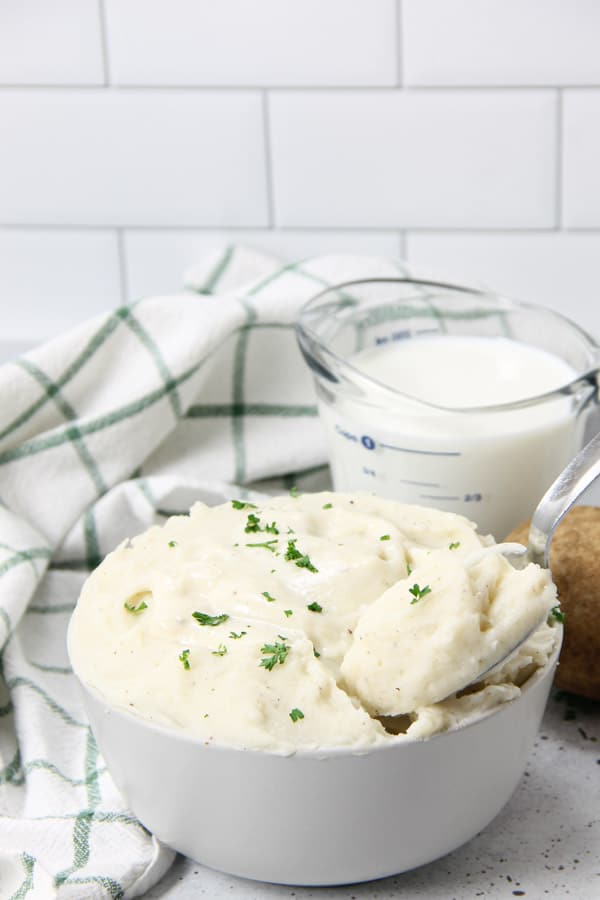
{"x": 560, "y": 497}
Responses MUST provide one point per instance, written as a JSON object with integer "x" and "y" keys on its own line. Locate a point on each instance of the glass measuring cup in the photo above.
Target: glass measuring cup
{"x": 490, "y": 463}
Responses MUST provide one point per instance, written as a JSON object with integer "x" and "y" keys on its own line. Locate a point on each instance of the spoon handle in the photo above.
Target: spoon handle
{"x": 560, "y": 497}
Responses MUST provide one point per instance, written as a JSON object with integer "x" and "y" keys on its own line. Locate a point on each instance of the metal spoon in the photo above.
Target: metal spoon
{"x": 554, "y": 505}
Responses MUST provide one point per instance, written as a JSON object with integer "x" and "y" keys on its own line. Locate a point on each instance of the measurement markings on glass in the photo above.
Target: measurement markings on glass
{"x": 431, "y": 484}
{"x": 422, "y": 452}
{"x": 369, "y": 443}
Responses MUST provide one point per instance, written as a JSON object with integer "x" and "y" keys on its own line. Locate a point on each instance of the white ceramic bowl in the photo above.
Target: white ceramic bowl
{"x": 328, "y": 817}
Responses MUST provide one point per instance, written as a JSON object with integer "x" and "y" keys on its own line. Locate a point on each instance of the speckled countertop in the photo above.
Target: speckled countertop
{"x": 544, "y": 843}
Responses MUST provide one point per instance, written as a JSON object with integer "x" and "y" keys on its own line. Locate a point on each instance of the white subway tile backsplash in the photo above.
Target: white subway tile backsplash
{"x": 51, "y": 280}
{"x": 156, "y": 260}
{"x": 581, "y": 158}
{"x": 265, "y": 42}
{"x": 104, "y": 157}
{"x": 433, "y": 159}
{"x": 501, "y": 42}
{"x": 50, "y": 43}
{"x": 318, "y": 137}
{"x": 556, "y": 270}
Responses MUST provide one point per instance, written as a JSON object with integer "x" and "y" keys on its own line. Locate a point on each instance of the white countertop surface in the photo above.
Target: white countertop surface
{"x": 544, "y": 843}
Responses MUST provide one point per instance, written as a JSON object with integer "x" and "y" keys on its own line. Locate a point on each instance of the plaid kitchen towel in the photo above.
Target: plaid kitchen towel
{"x": 104, "y": 431}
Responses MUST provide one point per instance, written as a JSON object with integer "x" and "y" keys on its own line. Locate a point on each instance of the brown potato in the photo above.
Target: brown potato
{"x": 575, "y": 566}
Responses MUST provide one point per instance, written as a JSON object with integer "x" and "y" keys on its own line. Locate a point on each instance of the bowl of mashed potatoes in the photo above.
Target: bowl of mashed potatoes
{"x": 287, "y": 689}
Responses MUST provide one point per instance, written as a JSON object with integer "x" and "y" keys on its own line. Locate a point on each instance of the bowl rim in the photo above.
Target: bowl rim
{"x": 325, "y": 751}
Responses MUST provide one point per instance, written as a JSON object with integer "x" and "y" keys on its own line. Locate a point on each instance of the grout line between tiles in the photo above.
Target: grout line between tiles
{"x": 402, "y": 244}
{"x": 122, "y": 253}
{"x": 559, "y": 159}
{"x": 261, "y": 229}
{"x": 294, "y": 88}
{"x": 269, "y": 183}
{"x": 104, "y": 42}
{"x": 399, "y": 43}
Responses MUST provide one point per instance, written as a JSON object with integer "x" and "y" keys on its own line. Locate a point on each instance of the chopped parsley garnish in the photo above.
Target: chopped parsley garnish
{"x": 454, "y": 545}
{"x": 184, "y": 659}
{"x": 301, "y": 559}
{"x": 408, "y": 569}
{"x": 204, "y": 619}
{"x": 315, "y": 607}
{"x": 385, "y": 537}
{"x": 133, "y": 608}
{"x": 557, "y": 613}
{"x": 294, "y": 492}
{"x": 268, "y": 545}
{"x": 328, "y": 506}
{"x": 268, "y": 597}
{"x": 288, "y": 612}
{"x": 296, "y": 714}
{"x": 172, "y": 544}
{"x": 240, "y": 504}
{"x": 253, "y": 523}
{"x": 418, "y": 593}
{"x": 276, "y": 653}
{"x": 316, "y": 653}
{"x": 220, "y": 651}
{"x": 292, "y": 552}
{"x": 236, "y": 637}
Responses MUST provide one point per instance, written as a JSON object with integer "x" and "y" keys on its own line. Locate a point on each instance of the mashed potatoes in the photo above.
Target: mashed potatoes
{"x": 312, "y": 621}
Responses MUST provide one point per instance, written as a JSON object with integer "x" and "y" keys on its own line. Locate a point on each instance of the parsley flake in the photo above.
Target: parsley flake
{"x": 418, "y": 593}
{"x": 268, "y": 545}
{"x": 316, "y": 653}
{"x": 557, "y": 613}
{"x": 454, "y": 545}
{"x": 132, "y": 607}
{"x": 253, "y": 523}
{"x": 294, "y": 492}
{"x": 328, "y": 506}
{"x": 288, "y": 612}
{"x": 408, "y": 569}
{"x": 268, "y": 597}
{"x": 315, "y": 607}
{"x": 240, "y": 504}
{"x": 220, "y": 651}
{"x": 184, "y": 659}
{"x": 296, "y": 714}
{"x": 172, "y": 544}
{"x": 300, "y": 559}
{"x": 385, "y": 537}
{"x": 276, "y": 653}
{"x": 204, "y": 619}
{"x": 236, "y": 637}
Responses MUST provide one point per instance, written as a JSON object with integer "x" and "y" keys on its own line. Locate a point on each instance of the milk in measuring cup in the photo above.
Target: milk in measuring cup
{"x": 491, "y": 465}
